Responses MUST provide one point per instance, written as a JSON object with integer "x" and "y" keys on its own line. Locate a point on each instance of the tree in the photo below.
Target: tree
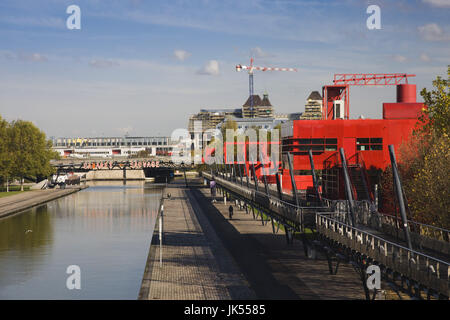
{"x": 429, "y": 185}
{"x": 30, "y": 151}
{"x": 5, "y": 159}
{"x": 229, "y": 123}
{"x": 428, "y": 189}
{"x": 424, "y": 161}
{"x": 437, "y": 120}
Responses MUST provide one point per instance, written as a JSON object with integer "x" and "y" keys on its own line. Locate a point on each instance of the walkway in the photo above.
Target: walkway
{"x": 22, "y": 201}
{"x": 195, "y": 265}
{"x": 275, "y": 269}
{"x": 207, "y": 256}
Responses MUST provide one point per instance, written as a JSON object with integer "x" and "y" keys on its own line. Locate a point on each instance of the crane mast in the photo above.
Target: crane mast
{"x": 251, "y": 68}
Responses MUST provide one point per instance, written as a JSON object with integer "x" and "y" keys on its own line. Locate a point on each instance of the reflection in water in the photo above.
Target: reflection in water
{"x": 105, "y": 229}
{"x": 23, "y": 238}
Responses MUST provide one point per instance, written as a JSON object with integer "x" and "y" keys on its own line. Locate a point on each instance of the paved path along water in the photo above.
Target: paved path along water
{"x": 195, "y": 265}
{"x": 207, "y": 256}
{"x": 25, "y": 200}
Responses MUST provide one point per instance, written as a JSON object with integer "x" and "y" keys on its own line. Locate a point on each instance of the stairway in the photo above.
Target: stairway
{"x": 356, "y": 177}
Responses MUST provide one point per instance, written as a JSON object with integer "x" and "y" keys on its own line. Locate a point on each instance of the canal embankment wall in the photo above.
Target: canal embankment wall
{"x": 23, "y": 201}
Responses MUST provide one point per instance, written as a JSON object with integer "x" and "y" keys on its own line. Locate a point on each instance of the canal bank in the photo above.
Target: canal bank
{"x": 105, "y": 230}
{"x": 205, "y": 255}
{"x": 191, "y": 262}
{"x": 25, "y": 200}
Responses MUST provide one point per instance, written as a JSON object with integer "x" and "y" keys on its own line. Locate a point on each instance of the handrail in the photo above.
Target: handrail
{"x": 419, "y": 225}
{"x": 272, "y": 198}
{"x": 363, "y": 237}
{"x": 329, "y": 203}
{"x": 389, "y": 216}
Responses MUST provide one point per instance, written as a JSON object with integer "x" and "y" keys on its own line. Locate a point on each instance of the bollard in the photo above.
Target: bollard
{"x": 162, "y": 222}
{"x": 161, "y": 234}
{"x": 224, "y": 199}
{"x": 160, "y": 242}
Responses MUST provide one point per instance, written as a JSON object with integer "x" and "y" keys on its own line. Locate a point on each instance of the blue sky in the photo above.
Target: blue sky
{"x": 143, "y": 67}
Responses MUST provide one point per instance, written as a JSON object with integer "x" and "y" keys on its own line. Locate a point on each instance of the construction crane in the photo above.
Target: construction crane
{"x": 374, "y": 79}
{"x": 336, "y": 100}
{"x": 250, "y": 69}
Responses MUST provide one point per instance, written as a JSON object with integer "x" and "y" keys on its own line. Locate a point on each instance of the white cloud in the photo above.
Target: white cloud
{"x": 35, "y": 57}
{"x": 399, "y": 58}
{"x": 438, "y": 3}
{"x": 432, "y": 32}
{"x": 181, "y": 54}
{"x": 424, "y": 57}
{"x": 103, "y": 63}
{"x": 210, "y": 68}
{"x": 257, "y": 52}
{"x": 29, "y": 57}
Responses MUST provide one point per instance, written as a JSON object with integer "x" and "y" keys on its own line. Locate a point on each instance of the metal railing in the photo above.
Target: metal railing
{"x": 417, "y": 227}
{"x": 363, "y": 215}
{"x": 288, "y": 211}
{"x": 427, "y": 270}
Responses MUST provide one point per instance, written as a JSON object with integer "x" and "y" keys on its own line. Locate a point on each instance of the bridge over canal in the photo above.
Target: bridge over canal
{"x": 156, "y": 167}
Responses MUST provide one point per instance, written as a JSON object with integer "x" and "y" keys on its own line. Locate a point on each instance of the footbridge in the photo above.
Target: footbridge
{"x": 161, "y": 169}
{"x": 81, "y": 165}
{"x": 416, "y": 264}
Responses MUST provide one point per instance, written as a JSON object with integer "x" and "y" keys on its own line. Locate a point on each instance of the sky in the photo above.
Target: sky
{"x": 141, "y": 67}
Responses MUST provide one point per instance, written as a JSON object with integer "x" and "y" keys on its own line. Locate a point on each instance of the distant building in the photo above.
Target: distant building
{"x": 262, "y": 116}
{"x": 111, "y": 146}
{"x": 262, "y": 108}
{"x": 208, "y": 119}
{"x": 313, "y": 107}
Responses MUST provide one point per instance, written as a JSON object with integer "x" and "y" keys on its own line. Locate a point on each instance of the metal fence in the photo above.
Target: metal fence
{"x": 429, "y": 271}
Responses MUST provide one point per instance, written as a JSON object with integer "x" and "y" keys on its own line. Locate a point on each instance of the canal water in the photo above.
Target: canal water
{"x": 105, "y": 229}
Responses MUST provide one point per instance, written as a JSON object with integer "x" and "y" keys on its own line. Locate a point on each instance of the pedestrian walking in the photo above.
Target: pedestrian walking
{"x": 212, "y": 186}
{"x": 230, "y": 211}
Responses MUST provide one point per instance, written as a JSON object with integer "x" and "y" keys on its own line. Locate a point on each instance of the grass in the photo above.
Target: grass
{"x": 6, "y": 194}
{"x": 12, "y": 190}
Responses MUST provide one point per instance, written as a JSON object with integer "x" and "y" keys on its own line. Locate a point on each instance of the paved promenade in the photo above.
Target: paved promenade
{"x": 207, "y": 256}
{"x": 22, "y": 201}
{"x": 195, "y": 265}
{"x": 273, "y": 268}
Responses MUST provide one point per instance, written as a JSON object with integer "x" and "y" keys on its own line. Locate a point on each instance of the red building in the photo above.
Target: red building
{"x": 365, "y": 141}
